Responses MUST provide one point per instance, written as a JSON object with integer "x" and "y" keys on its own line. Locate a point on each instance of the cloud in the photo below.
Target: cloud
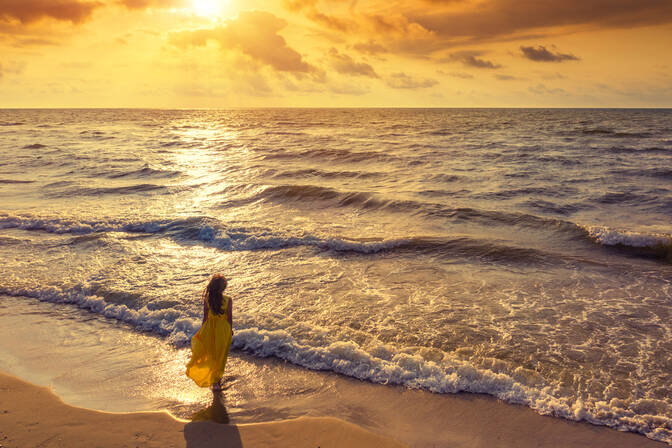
{"x": 373, "y": 22}
{"x": 542, "y": 54}
{"x": 344, "y": 64}
{"x": 555, "y": 75}
{"x": 348, "y": 90}
{"x": 495, "y": 18}
{"x": 14, "y": 68}
{"x": 29, "y": 11}
{"x": 144, "y": 4}
{"x": 505, "y": 77}
{"x": 404, "y": 81}
{"x": 426, "y": 28}
{"x": 32, "y": 41}
{"x": 309, "y": 8}
{"x": 470, "y": 59}
{"x": 461, "y": 75}
{"x": 541, "y": 89}
{"x": 370, "y": 48}
{"x": 255, "y": 34}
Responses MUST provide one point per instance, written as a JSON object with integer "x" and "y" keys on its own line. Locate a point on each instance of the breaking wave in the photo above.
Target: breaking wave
{"x": 379, "y": 363}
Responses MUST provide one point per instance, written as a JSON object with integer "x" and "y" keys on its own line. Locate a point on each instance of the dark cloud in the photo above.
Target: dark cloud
{"x": 29, "y": 11}
{"x": 370, "y": 48}
{"x": 505, "y": 17}
{"x": 404, "y": 81}
{"x": 344, "y": 64}
{"x": 423, "y": 29}
{"x": 144, "y": 4}
{"x": 461, "y": 75}
{"x": 471, "y": 59}
{"x": 309, "y": 8}
{"x": 554, "y": 76}
{"x": 255, "y": 34}
{"x": 298, "y": 5}
{"x": 542, "y": 54}
{"x": 329, "y": 21}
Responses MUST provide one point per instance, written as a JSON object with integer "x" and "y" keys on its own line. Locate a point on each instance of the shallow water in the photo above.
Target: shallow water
{"x": 520, "y": 253}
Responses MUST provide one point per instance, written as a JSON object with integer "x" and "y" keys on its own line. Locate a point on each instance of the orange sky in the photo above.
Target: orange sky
{"x": 331, "y": 53}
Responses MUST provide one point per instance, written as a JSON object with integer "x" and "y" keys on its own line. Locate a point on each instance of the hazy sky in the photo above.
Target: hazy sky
{"x": 414, "y": 53}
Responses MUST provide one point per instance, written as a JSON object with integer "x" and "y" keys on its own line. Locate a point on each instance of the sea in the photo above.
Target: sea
{"x": 521, "y": 253}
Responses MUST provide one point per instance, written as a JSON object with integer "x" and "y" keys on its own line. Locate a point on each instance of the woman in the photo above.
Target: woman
{"x": 210, "y": 345}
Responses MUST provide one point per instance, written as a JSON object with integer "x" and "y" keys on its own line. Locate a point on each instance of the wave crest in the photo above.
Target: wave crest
{"x": 384, "y": 364}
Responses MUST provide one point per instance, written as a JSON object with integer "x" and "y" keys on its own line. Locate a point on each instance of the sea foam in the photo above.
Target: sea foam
{"x": 611, "y": 237}
{"x": 382, "y": 363}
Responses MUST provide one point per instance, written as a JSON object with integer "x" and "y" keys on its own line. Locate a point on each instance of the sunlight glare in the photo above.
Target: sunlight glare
{"x": 207, "y": 8}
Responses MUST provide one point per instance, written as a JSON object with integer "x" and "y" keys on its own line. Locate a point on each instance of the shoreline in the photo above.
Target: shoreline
{"x": 97, "y": 363}
{"x": 34, "y": 416}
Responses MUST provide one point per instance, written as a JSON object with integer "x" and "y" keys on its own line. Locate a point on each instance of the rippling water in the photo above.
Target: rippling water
{"x": 524, "y": 254}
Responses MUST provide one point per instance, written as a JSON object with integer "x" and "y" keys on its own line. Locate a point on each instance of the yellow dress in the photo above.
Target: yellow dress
{"x": 210, "y": 348}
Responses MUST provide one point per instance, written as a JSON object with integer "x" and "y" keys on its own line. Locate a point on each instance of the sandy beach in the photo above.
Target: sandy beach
{"x": 127, "y": 371}
{"x": 33, "y": 416}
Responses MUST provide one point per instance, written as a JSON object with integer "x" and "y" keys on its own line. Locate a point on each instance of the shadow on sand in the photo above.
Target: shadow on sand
{"x": 209, "y": 427}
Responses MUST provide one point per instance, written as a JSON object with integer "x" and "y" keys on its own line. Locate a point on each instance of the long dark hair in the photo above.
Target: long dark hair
{"x": 214, "y": 291}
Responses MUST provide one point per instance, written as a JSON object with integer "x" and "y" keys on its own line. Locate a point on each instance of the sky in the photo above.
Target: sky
{"x": 335, "y": 53}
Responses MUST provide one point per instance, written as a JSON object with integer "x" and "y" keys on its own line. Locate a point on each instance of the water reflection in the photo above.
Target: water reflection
{"x": 216, "y": 412}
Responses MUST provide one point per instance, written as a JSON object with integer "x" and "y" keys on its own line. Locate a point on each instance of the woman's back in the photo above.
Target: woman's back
{"x": 211, "y": 344}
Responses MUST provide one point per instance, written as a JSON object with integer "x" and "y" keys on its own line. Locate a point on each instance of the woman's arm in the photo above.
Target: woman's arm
{"x": 205, "y": 311}
{"x": 229, "y": 312}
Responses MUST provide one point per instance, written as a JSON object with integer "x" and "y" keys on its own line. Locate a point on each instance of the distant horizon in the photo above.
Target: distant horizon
{"x": 344, "y": 107}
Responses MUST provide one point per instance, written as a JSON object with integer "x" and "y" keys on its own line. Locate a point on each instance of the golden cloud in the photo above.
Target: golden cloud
{"x": 29, "y": 11}
{"x": 344, "y": 64}
{"x": 255, "y": 34}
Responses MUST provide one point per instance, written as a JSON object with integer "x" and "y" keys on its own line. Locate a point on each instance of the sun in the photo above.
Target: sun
{"x": 207, "y": 8}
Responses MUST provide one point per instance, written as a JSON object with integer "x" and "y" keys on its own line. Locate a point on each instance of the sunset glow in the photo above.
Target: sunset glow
{"x": 207, "y": 8}
{"x": 328, "y": 53}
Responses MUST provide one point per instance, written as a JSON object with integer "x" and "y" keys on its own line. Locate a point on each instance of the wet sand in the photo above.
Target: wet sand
{"x": 32, "y": 416}
{"x": 96, "y": 363}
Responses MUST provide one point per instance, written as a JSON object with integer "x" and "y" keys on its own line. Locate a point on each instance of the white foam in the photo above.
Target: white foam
{"x": 78, "y": 227}
{"x": 383, "y": 364}
{"x": 234, "y": 240}
{"x": 610, "y": 237}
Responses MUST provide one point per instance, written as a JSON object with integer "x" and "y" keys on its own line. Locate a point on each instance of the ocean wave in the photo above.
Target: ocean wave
{"x": 14, "y": 181}
{"x": 96, "y": 135}
{"x": 145, "y": 171}
{"x": 657, "y": 172}
{"x": 379, "y": 363}
{"x": 212, "y": 233}
{"x": 332, "y": 154}
{"x": 78, "y": 227}
{"x": 307, "y": 195}
{"x": 610, "y": 237}
{"x": 35, "y": 146}
{"x": 638, "y": 150}
{"x": 604, "y": 132}
{"x": 657, "y": 246}
{"x": 96, "y": 191}
{"x": 312, "y": 172}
